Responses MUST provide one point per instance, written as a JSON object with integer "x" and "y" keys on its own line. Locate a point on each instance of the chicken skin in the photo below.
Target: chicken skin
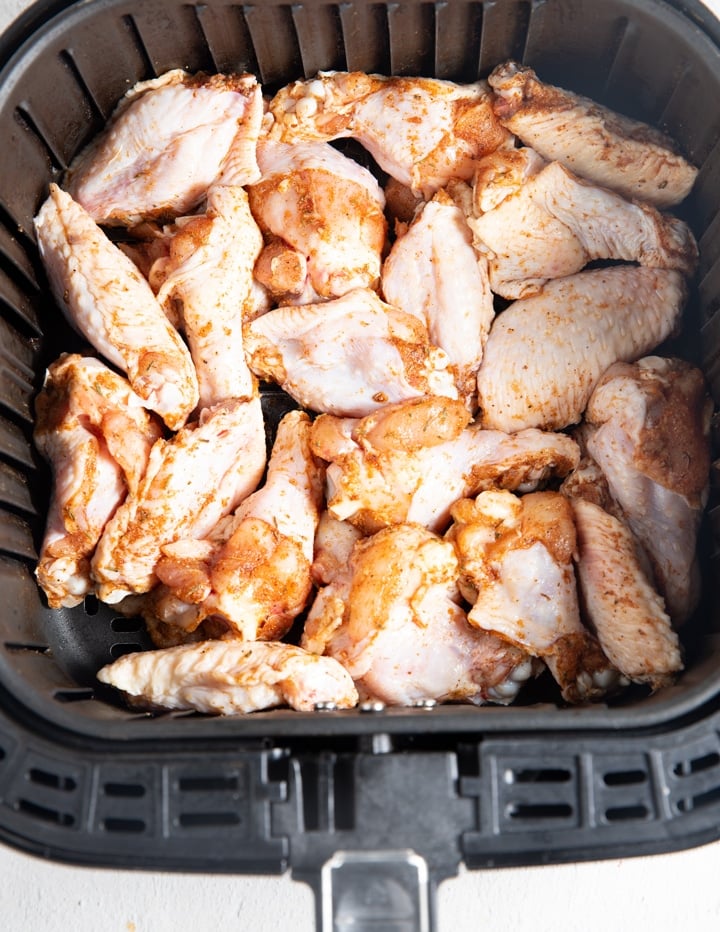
{"x": 623, "y": 607}
{"x": 192, "y": 480}
{"x": 433, "y": 271}
{"x": 349, "y": 356}
{"x": 97, "y": 436}
{"x": 648, "y": 430}
{"x": 421, "y": 131}
{"x": 113, "y": 306}
{"x": 555, "y": 223}
{"x": 327, "y": 208}
{"x": 546, "y": 353}
{"x": 251, "y": 575}
{"x": 516, "y": 567}
{"x": 230, "y": 677}
{"x": 410, "y": 462}
{"x": 207, "y": 279}
{"x": 596, "y": 143}
{"x": 168, "y": 141}
{"x": 392, "y": 618}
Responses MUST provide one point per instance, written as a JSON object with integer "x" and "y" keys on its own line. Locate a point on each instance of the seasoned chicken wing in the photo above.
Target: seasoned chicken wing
{"x": 410, "y": 462}
{"x": 230, "y": 677}
{"x": 349, "y": 356}
{"x": 517, "y": 572}
{"x": 168, "y": 141}
{"x": 433, "y": 272}
{"x": 394, "y": 621}
{"x": 596, "y": 143}
{"x": 546, "y": 353}
{"x": 421, "y": 131}
{"x": 207, "y": 279}
{"x": 327, "y": 208}
{"x": 113, "y": 306}
{"x": 622, "y": 606}
{"x": 96, "y": 434}
{"x": 251, "y": 575}
{"x": 192, "y": 480}
{"x": 555, "y": 223}
{"x": 648, "y": 431}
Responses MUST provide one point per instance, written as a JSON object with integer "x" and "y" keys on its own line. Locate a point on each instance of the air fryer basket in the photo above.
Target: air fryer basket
{"x": 84, "y": 779}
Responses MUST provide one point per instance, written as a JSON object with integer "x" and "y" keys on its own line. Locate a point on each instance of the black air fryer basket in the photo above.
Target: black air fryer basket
{"x": 401, "y": 795}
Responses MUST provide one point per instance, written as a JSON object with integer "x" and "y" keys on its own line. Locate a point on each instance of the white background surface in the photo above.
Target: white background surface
{"x": 666, "y": 892}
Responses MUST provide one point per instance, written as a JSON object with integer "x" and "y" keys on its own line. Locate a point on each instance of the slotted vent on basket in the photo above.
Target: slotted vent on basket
{"x": 48, "y": 791}
{"x": 696, "y": 778}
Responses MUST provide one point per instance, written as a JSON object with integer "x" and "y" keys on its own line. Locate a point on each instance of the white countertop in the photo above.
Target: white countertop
{"x": 665, "y": 892}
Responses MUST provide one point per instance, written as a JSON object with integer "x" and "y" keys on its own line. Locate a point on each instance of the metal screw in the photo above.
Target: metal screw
{"x": 424, "y": 703}
{"x": 325, "y": 706}
{"x": 372, "y": 705}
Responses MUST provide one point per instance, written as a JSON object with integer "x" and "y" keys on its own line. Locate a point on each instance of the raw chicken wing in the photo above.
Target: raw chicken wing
{"x": 393, "y": 620}
{"x": 622, "y": 606}
{"x": 113, "y": 306}
{"x": 546, "y": 353}
{"x": 97, "y": 436}
{"x": 422, "y": 131}
{"x": 251, "y": 575}
{"x": 230, "y": 677}
{"x": 410, "y": 462}
{"x": 349, "y": 356}
{"x": 648, "y": 431}
{"x": 516, "y": 564}
{"x": 555, "y": 223}
{"x": 325, "y": 206}
{"x": 192, "y": 480}
{"x": 169, "y": 140}
{"x": 207, "y": 278}
{"x": 434, "y": 273}
{"x": 596, "y": 143}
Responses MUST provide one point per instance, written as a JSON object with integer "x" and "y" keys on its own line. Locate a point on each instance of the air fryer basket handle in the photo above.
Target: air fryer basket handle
{"x": 366, "y": 891}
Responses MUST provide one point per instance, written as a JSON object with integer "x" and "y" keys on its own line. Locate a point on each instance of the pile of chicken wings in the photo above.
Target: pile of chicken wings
{"x": 486, "y": 474}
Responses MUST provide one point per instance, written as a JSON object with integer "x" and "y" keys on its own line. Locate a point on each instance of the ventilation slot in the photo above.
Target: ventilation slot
{"x": 209, "y": 784}
{"x": 15, "y": 446}
{"x": 29, "y": 648}
{"x": 534, "y": 811}
{"x": 411, "y": 30}
{"x": 344, "y": 810}
{"x": 119, "y": 650}
{"x": 365, "y": 37}
{"x": 124, "y": 790}
{"x": 123, "y": 625}
{"x": 52, "y": 780}
{"x": 318, "y": 36}
{"x": 27, "y": 121}
{"x": 226, "y": 36}
{"x": 624, "y": 777}
{"x": 97, "y": 111}
{"x": 627, "y": 813}
{"x": 544, "y": 775}
{"x": 275, "y": 43}
{"x": 140, "y": 46}
{"x": 696, "y": 764}
{"x": 18, "y": 245}
{"x": 458, "y": 27}
{"x": 123, "y": 826}
{"x": 503, "y": 35}
{"x": 699, "y": 800}
{"x": 44, "y": 813}
{"x": 73, "y": 695}
{"x": 208, "y": 819}
{"x": 16, "y": 538}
